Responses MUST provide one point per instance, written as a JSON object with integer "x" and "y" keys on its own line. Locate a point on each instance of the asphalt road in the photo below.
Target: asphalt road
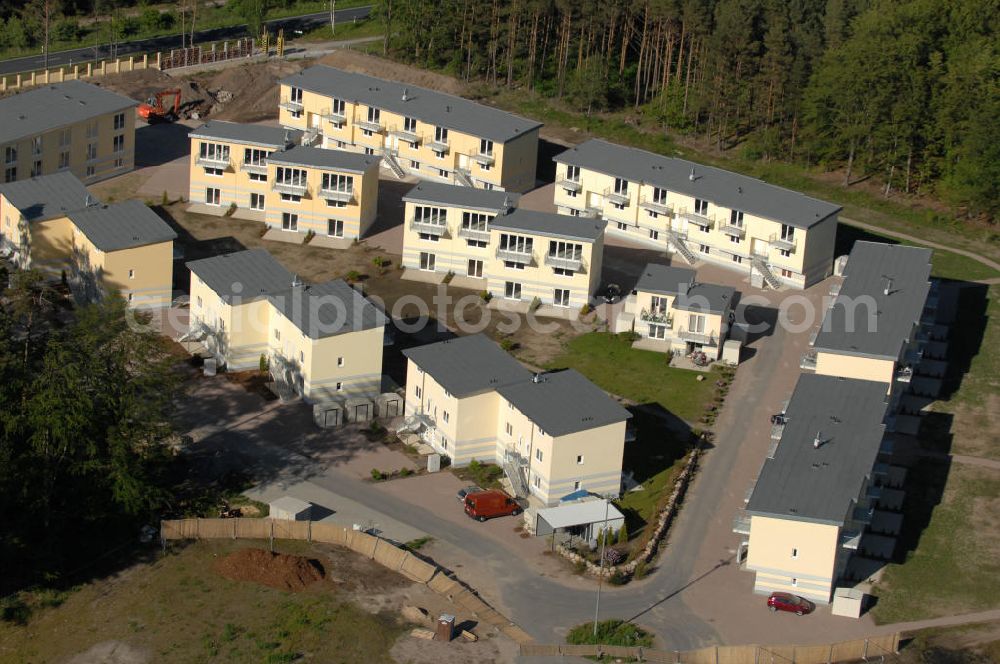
{"x": 165, "y": 43}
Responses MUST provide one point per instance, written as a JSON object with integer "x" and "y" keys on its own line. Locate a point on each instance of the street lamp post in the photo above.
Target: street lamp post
{"x": 600, "y": 573}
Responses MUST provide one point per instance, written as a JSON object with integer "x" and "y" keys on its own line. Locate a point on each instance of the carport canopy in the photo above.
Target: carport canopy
{"x": 587, "y": 513}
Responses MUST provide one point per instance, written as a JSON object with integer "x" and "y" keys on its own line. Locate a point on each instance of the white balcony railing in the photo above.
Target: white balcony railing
{"x": 334, "y": 117}
{"x": 290, "y": 104}
{"x": 659, "y": 207}
{"x": 428, "y": 227}
{"x": 697, "y": 337}
{"x": 783, "y": 243}
{"x": 439, "y": 145}
{"x": 514, "y": 256}
{"x": 565, "y": 262}
{"x": 339, "y": 195}
{"x": 477, "y": 233}
{"x": 293, "y": 187}
{"x": 619, "y": 196}
{"x": 483, "y": 159}
{"x": 733, "y": 230}
{"x": 741, "y": 523}
{"x": 808, "y": 362}
{"x": 657, "y": 316}
{"x": 256, "y": 167}
{"x": 700, "y": 220}
{"x": 374, "y": 126}
{"x": 212, "y": 161}
{"x": 851, "y": 539}
{"x": 406, "y": 135}
{"x": 569, "y": 185}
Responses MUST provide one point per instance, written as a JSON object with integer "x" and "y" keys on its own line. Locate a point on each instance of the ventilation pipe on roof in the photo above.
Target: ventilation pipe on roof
{"x": 505, "y": 206}
{"x": 818, "y": 440}
{"x": 692, "y": 176}
{"x": 537, "y": 378}
{"x": 295, "y": 281}
{"x": 406, "y": 96}
{"x": 888, "y": 286}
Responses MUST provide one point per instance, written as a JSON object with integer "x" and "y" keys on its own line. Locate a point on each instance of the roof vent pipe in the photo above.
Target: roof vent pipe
{"x": 406, "y": 96}
{"x": 818, "y": 440}
{"x": 295, "y": 281}
{"x": 692, "y": 177}
{"x": 888, "y": 286}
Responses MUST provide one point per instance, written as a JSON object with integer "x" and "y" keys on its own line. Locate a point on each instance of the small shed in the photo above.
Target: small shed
{"x": 584, "y": 518}
{"x": 289, "y": 509}
{"x": 359, "y": 409}
{"x": 388, "y": 405}
{"x": 848, "y": 602}
{"x": 731, "y": 352}
{"x": 328, "y": 415}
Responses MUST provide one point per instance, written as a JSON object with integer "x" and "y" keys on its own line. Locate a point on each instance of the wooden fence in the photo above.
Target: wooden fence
{"x": 871, "y": 648}
{"x": 381, "y": 551}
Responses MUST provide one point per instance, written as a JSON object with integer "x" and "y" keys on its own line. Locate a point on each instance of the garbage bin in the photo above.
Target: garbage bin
{"x": 445, "y": 628}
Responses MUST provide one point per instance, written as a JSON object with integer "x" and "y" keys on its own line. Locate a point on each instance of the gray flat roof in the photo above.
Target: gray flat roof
{"x": 47, "y": 196}
{"x": 866, "y": 321}
{"x": 243, "y": 275}
{"x": 436, "y": 193}
{"x": 334, "y": 160}
{"x": 435, "y": 108}
{"x": 807, "y": 483}
{"x": 250, "y": 134}
{"x": 689, "y": 294}
{"x": 122, "y": 225}
{"x": 546, "y": 223}
{"x": 48, "y": 107}
{"x": 564, "y": 402}
{"x": 327, "y": 309}
{"x": 468, "y": 365}
{"x": 723, "y": 188}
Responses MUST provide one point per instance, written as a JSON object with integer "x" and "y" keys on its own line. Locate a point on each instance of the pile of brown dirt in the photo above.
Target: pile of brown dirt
{"x": 254, "y": 88}
{"x": 143, "y": 84}
{"x": 277, "y": 570}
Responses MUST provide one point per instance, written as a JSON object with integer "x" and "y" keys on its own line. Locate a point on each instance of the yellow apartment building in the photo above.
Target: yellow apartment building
{"x": 883, "y": 317}
{"x": 332, "y": 193}
{"x": 323, "y": 341}
{"x": 673, "y": 312}
{"x": 553, "y": 258}
{"x": 815, "y": 508}
{"x": 52, "y": 223}
{"x": 778, "y": 236}
{"x": 229, "y": 166}
{"x": 446, "y": 228}
{"x": 553, "y": 433}
{"x": 420, "y": 132}
{"x": 72, "y": 126}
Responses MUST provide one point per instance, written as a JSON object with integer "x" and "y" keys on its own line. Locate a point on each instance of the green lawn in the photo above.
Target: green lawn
{"x": 345, "y": 31}
{"x": 954, "y": 563}
{"x": 641, "y": 376}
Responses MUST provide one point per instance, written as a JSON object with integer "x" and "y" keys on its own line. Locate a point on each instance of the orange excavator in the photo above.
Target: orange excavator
{"x": 154, "y": 110}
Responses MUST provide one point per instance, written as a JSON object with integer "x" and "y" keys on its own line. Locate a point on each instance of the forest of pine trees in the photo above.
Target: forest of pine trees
{"x": 901, "y": 91}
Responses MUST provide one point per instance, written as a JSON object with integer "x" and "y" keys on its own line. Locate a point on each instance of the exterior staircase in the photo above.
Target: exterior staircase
{"x": 389, "y": 158}
{"x": 681, "y": 246}
{"x": 761, "y": 266}
{"x": 462, "y": 178}
{"x": 515, "y": 474}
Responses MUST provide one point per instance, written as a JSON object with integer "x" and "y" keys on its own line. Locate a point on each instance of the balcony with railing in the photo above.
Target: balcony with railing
{"x": 565, "y": 261}
{"x": 569, "y": 185}
{"x": 483, "y": 158}
{"x": 339, "y": 194}
{"x": 697, "y": 337}
{"x": 904, "y": 374}
{"x": 778, "y": 427}
{"x": 703, "y": 221}
{"x": 258, "y": 167}
{"x": 429, "y": 226}
{"x": 213, "y": 161}
{"x": 374, "y": 126}
{"x": 782, "y": 243}
{"x": 519, "y": 256}
{"x": 407, "y": 135}
{"x": 334, "y": 117}
{"x": 293, "y": 186}
{"x": 476, "y": 233}
{"x": 439, "y": 145}
{"x": 619, "y": 196}
{"x": 733, "y": 230}
{"x": 808, "y": 362}
{"x": 658, "y": 316}
{"x": 653, "y": 205}
{"x": 289, "y": 104}
{"x": 851, "y": 539}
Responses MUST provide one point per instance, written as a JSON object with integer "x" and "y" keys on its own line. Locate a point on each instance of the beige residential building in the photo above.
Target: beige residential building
{"x": 421, "y": 132}
{"x": 323, "y": 342}
{"x": 331, "y": 193}
{"x": 52, "y": 223}
{"x": 673, "y": 312}
{"x": 446, "y": 229}
{"x": 816, "y": 509}
{"x": 779, "y": 237}
{"x": 553, "y": 433}
{"x": 229, "y": 166}
{"x": 73, "y": 126}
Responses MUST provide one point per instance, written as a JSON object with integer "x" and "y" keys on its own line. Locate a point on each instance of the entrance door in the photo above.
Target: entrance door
{"x": 463, "y": 162}
{"x": 331, "y": 417}
{"x": 315, "y": 121}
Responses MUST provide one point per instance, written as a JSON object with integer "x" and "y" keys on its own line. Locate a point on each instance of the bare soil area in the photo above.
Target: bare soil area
{"x": 277, "y": 570}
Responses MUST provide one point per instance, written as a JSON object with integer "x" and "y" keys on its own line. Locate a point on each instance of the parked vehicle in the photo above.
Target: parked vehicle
{"x": 789, "y": 602}
{"x": 484, "y": 505}
{"x": 467, "y": 490}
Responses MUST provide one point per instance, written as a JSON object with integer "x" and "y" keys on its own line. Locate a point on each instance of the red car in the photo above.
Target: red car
{"x": 789, "y": 602}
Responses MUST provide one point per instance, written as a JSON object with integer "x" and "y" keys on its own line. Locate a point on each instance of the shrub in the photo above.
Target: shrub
{"x": 585, "y": 309}
{"x": 622, "y": 534}
{"x": 485, "y": 296}
{"x": 378, "y": 261}
{"x": 309, "y": 236}
{"x": 629, "y": 337}
{"x": 353, "y": 276}
{"x": 405, "y": 472}
{"x": 448, "y": 277}
{"x": 377, "y": 475}
{"x": 640, "y": 570}
{"x": 264, "y": 364}
{"x": 535, "y": 303}
{"x": 613, "y": 556}
{"x": 612, "y": 632}
{"x": 508, "y": 344}
{"x": 619, "y": 578}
